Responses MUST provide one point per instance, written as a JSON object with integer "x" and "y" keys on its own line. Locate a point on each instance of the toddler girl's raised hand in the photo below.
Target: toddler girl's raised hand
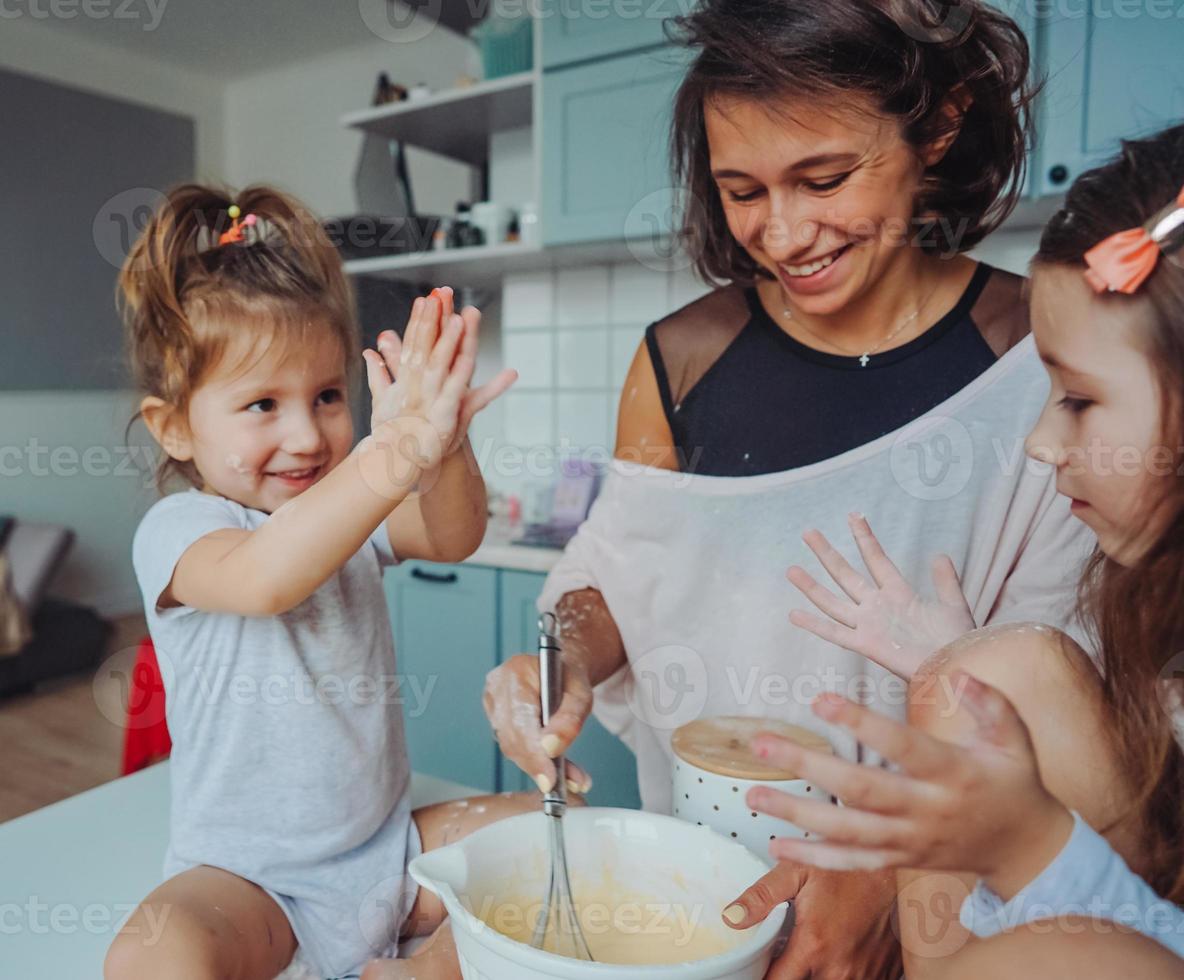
{"x": 885, "y": 620}
{"x": 397, "y": 360}
{"x": 979, "y": 806}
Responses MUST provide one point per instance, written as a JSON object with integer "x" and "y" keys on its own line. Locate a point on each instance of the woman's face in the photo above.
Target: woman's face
{"x": 1100, "y": 427}
{"x": 820, "y": 196}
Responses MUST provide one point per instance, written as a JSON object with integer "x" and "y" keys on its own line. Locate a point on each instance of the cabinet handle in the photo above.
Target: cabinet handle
{"x": 1059, "y": 174}
{"x": 446, "y": 579}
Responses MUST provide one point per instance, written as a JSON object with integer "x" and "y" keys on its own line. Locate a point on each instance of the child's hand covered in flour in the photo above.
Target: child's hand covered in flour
{"x": 885, "y": 620}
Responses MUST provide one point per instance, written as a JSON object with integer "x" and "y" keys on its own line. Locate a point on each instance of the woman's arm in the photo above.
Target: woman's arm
{"x": 591, "y": 640}
{"x": 643, "y": 434}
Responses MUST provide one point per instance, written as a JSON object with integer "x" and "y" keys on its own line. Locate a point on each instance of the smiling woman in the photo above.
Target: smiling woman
{"x": 838, "y": 159}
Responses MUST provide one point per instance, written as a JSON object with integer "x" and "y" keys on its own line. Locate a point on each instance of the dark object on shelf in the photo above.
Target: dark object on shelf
{"x": 456, "y": 15}
{"x": 386, "y": 223}
{"x": 464, "y": 234}
{"x": 386, "y": 91}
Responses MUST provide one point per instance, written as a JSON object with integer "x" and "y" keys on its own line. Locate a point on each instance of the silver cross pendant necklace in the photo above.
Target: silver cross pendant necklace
{"x": 866, "y": 356}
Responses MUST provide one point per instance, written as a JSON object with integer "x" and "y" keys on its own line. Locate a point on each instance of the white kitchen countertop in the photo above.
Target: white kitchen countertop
{"x": 71, "y": 873}
{"x": 497, "y": 552}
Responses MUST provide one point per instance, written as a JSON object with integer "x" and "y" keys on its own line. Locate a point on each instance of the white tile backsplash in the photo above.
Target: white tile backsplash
{"x": 581, "y": 296}
{"x": 572, "y": 335}
{"x": 531, "y": 354}
{"x": 637, "y": 294}
{"x": 528, "y": 300}
{"x": 530, "y": 419}
{"x": 581, "y": 359}
{"x": 583, "y": 419}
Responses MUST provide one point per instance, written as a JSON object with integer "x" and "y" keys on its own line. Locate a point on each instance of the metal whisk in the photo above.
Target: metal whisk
{"x": 558, "y": 920}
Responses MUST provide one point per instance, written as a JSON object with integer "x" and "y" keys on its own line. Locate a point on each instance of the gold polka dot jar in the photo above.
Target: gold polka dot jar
{"x": 714, "y": 768}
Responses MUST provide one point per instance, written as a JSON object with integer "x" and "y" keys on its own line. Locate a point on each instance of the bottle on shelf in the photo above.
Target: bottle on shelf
{"x": 463, "y": 234}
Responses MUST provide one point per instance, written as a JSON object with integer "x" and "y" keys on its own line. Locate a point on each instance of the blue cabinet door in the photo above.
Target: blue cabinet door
{"x": 581, "y": 31}
{"x": 612, "y": 766}
{"x": 605, "y": 148}
{"x": 1115, "y": 71}
{"x": 445, "y": 623}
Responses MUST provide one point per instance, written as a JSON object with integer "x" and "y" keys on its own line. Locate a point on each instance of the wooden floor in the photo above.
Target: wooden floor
{"x": 65, "y": 737}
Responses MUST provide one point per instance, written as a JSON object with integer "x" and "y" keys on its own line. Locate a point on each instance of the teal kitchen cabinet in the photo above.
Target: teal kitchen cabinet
{"x": 605, "y": 140}
{"x": 612, "y": 766}
{"x": 444, "y": 619}
{"x": 1115, "y": 70}
{"x": 581, "y": 30}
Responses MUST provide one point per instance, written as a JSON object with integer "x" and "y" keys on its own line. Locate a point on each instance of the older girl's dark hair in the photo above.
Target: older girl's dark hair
{"x": 1136, "y": 611}
{"x": 907, "y": 56}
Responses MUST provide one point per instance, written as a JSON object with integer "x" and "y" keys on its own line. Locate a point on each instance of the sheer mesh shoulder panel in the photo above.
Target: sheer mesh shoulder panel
{"x": 691, "y": 340}
{"x": 1001, "y": 313}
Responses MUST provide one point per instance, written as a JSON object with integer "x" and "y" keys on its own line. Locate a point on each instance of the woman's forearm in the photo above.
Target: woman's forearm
{"x": 590, "y": 634}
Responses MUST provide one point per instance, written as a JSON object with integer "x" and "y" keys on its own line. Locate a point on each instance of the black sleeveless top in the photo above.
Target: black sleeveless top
{"x": 743, "y": 397}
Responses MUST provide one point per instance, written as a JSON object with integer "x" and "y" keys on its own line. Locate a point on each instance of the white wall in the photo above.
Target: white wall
{"x": 282, "y": 126}
{"x": 97, "y": 495}
{"x": 36, "y": 49}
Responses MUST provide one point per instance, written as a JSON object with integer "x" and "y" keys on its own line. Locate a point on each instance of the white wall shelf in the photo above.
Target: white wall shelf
{"x": 456, "y": 123}
{"x": 484, "y": 266}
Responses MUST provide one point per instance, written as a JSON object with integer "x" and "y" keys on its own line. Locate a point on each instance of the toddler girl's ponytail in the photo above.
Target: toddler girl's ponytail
{"x": 188, "y": 288}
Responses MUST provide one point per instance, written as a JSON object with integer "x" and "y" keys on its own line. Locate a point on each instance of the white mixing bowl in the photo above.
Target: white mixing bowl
{"x": 692, "y": 868}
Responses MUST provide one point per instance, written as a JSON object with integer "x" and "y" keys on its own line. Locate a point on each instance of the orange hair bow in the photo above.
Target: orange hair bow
{"x": 1123, "y": 262}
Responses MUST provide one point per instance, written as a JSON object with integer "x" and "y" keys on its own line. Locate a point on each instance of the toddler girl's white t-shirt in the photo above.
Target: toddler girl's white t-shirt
{"x": 289, "y": 764}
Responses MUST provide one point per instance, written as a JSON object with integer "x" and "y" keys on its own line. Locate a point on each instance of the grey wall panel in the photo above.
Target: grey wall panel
{"x": 78, "y": 174}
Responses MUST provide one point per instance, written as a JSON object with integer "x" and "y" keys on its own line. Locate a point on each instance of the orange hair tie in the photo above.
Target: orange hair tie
{"x": 235, "y": 232}
{"x": 1123, "y": 262}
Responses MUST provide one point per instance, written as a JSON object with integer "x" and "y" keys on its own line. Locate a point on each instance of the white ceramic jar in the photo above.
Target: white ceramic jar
{"x": 714, "y": 768}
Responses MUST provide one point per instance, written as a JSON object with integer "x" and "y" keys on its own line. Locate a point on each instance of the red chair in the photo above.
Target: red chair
{"x": 146, "y": 737}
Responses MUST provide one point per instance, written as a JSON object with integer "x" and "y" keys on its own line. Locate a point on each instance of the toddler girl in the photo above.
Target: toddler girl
{"x": 262, "y": 583}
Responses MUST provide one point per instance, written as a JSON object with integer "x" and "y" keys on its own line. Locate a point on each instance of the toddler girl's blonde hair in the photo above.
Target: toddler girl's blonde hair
{"x": 185, "y": 298}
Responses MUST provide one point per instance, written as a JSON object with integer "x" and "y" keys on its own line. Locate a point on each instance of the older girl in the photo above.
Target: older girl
{"x": 1043, "y": 749}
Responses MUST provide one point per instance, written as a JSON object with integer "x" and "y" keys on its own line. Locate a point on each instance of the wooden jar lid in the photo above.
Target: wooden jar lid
{"x": 722, "y": 745}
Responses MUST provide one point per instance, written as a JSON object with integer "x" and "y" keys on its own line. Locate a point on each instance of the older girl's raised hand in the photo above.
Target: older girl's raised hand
{"x": 885, "y": 620}
{"x": 978, "y": 807}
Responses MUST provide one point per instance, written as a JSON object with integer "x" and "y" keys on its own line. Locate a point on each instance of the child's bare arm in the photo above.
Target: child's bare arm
{"x": 446, "y": 520}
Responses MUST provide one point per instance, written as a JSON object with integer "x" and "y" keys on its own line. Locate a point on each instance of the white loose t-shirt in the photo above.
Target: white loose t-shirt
{"x": 692, "y": 567}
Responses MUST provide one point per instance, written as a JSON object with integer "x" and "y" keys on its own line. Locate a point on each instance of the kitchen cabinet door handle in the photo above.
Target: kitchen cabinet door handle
{"x": 446, "y": 579}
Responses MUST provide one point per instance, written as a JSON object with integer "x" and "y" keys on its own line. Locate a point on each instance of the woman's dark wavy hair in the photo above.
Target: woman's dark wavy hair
{"x": 1137, "y": 612}
{"x": 907, "y": 56}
